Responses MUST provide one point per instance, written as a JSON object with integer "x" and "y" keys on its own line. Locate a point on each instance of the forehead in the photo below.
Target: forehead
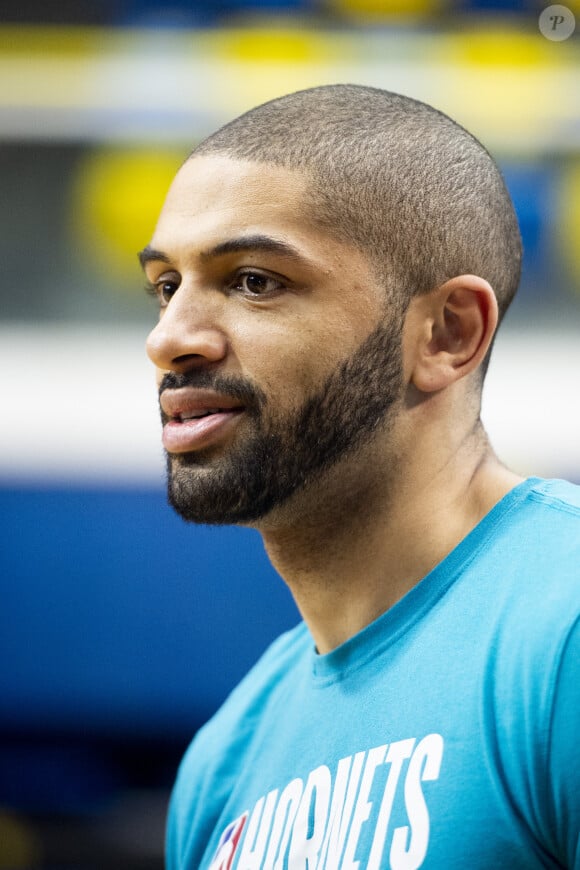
{"x": 216, "y": 195}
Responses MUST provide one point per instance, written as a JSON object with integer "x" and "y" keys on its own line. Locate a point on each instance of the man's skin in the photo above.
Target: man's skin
{"x": 360, "y": 535}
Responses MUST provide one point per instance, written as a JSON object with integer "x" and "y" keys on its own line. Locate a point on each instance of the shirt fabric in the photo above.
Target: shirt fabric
{"x": 444, "y": 735}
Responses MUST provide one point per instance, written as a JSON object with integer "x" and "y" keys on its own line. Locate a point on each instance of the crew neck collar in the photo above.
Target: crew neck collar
{"x": 386, "y": 630}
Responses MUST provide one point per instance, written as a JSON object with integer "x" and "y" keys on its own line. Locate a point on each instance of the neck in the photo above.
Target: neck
{"x": 360, "y": 540}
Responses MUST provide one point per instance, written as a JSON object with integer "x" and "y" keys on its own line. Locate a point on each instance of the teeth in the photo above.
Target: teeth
{"x": 199, "y": 415}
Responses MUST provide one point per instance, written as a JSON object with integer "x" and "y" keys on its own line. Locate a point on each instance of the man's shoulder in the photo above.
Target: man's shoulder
{"x": 557, "y": 495}
{"x": 541, "y": 528}
{"x": 239, "y": 713}
{"x": 211, "y": 766}
{"x": 533, "y": 586}
{"x": 286, "y": 653}
{"x": 538, "y": 559}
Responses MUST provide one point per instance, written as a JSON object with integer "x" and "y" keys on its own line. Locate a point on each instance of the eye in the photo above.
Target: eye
{"x": 166, "y": 289}
{"x": 163, "y": 288}
{"x": 257, "y": 284}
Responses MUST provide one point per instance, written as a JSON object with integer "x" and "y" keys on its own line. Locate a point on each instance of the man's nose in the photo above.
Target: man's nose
{"x": 187, "y": 335}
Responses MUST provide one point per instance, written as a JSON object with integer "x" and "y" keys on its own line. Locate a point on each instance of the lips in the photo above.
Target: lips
{"x": 195, "y": 419}
{"x": 181, "y": 418}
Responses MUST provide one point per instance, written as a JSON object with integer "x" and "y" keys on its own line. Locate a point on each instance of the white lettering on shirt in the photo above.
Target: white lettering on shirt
{"x": 345, "y": 822}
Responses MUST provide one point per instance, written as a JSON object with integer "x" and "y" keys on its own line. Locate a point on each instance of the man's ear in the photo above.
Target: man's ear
{"x": 450, "y": 331}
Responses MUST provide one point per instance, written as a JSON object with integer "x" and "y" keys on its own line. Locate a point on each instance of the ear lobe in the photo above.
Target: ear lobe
{"x": 458, "y": 321}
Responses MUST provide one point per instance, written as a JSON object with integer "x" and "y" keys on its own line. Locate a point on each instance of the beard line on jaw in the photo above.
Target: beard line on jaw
{"x": 283, "y": 455}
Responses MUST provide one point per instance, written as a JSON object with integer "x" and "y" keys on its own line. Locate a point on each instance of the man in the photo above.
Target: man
{"x": 331, "y": 268}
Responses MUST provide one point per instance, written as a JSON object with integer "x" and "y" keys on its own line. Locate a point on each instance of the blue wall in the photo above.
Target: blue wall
{"x": 118, "y": 619}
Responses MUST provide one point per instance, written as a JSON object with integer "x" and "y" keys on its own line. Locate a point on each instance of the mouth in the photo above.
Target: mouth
{"x": 196, "y": 418}
{"x": 195, "y": 430}
{"x": 198, "y": 415}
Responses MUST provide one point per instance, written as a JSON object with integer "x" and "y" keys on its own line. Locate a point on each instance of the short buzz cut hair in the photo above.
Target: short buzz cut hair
{"x": 393, "y": 176}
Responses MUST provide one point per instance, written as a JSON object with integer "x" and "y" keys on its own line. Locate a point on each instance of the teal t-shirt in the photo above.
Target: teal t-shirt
{"x": 444, "y": 735}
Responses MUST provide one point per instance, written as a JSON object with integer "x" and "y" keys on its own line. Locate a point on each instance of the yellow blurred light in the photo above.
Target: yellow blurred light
{"x": 29, "y": 40}
{"x": 390, "y": 8}
{"x": 115, "y": 202}
{"x": 271, "y": 45}
{"x": 20, "y": 845}
{"x": 569, "y": 218}
{"x": 491, "y": 46}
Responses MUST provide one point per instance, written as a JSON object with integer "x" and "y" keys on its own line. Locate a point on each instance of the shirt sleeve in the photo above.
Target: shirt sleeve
{"x": 564, "y": 756}
{"x": 172, "y": 861}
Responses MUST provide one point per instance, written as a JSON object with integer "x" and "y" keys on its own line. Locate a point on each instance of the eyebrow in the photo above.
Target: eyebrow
{"x": 149, "y": 254}
{"x": 257, "y": 242}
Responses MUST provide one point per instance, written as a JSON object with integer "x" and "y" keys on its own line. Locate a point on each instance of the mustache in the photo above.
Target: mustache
{"x": 240, "y": 389}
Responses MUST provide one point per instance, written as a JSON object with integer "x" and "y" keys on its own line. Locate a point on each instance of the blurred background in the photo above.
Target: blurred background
{"x": 121, "y": 630}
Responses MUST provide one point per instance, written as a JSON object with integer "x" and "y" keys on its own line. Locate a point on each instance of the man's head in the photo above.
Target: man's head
{"x": 393, "y": 176}
{"x": 287, "y": 258}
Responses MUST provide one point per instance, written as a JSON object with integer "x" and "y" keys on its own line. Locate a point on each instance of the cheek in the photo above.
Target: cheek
{"x": 287, "y": 364}
{"x": 287, "y": 374}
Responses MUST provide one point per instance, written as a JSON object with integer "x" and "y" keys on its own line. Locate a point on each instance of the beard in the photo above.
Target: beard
{"x": 283, "y": 455}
